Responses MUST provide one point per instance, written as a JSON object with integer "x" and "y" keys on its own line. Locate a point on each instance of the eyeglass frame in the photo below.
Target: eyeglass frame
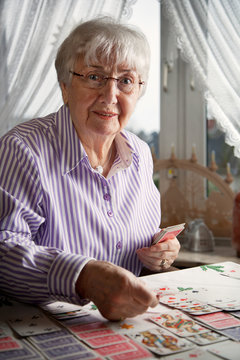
{"x": 106, "y": 78}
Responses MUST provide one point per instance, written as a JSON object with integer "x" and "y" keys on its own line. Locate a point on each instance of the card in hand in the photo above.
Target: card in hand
{"x": 160, "y": 341}
{"x": 178, "y": 323}
{"x": 166, "y": 232}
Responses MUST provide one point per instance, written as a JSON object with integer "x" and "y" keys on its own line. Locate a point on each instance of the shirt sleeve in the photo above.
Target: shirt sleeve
{"x": 28, "y": 271}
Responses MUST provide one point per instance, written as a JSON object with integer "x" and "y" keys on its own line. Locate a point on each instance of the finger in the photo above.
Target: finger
{"x": 143, "y": 295}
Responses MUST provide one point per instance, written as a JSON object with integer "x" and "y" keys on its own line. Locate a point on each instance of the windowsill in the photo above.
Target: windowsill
{"x": 223, "y": 251}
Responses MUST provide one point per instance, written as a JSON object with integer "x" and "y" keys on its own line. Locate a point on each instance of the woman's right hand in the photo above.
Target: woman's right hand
{"x": 115, "y": 291}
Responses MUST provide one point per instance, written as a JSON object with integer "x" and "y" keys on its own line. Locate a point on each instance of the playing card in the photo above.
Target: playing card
{"x": 49, "y": 336}
{"x": 26, "y": 352}
{"x": 101, "y": 341}
{"x": 32, "y": 324}
{"x": 9, "y": 343}
{"x": 233, "y": 305}
{"x": 235, "y": 313}
{"x": 74, "y": 321}
{"x": 195, "y": 353}
{"x": 166, "y": 232}
{"x": 232, "y": 333}
{"x": 66, "y": 351}
{"x": 187, "y": 304}
{"x": 67, "y": 340}
{"x": 178, "y": 323}
{"x": 94, "y": 333}
{"x": 116, "y": 348}
{"x": 160, "y": 341}
{"x": 174, "y": 300}
{"x": 138, "y": 353}
{"x": 225, "y": 324}
{"x": 87, "y": 327}
{"x": 59, "y": 307}
{"x": 207, "y": 338}
{"x": 231, "y": 270}
{"x": 165, "y": 290}
{"x": 229, "y": 350}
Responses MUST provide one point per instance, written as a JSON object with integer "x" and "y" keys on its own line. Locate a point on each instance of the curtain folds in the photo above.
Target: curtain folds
{"x": 207, "y": 33}
{"x": 30, "y": 33}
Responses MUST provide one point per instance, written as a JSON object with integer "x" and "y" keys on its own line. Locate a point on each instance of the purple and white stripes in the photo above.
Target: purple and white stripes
{"x": 56, "y": 212}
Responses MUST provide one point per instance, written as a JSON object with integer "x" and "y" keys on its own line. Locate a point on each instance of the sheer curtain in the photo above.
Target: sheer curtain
{"x": 30, "y": 33}
{"x": 207, "y": 33}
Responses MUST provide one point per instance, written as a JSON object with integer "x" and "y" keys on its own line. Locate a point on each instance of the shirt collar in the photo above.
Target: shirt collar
{"x": 71, "y": 150}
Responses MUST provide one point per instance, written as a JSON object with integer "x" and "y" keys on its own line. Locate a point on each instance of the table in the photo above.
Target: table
{"x": 204, "y": 283}
{"x": 223, "y": 251}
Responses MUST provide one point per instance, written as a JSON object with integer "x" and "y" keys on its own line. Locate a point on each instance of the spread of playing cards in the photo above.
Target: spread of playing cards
{"x": 198, "y": 317}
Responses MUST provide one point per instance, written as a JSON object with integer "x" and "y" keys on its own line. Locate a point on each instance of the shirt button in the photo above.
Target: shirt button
{"x": 119, "y": 245}
{"x": 106, "y": 197}
{"x": 110, "y": 213}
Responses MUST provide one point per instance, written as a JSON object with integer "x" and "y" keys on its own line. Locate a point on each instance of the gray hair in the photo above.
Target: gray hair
{"x": 104, "y": 40}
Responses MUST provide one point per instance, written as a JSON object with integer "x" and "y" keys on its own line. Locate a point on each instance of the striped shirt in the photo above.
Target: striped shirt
{"x": 57, "y": 212}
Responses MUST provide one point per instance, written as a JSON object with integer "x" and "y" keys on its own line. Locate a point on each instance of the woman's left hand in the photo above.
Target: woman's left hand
{"x": 159, "y": 256}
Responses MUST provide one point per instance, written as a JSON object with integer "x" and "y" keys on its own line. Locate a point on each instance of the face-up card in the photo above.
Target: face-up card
{"x": 207, "y": 338}
{"x": 160, "y": 341}
{"x": 229, "y": 306}
{"x": 178, "y": 323}
{"x": 195, "y": 353}
{"x": 187, "y": 304}
{"x": 231, "y": 270}
{"x": 228, "y": 350}
{"x": 32, "y": 324}
{"x": 165, "y": 290}
{"x": 175, "y": 299}
{"x": 101, "y": 341}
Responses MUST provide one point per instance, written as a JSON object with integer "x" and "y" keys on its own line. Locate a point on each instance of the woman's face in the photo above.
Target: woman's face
{"x": 102, "y": 111}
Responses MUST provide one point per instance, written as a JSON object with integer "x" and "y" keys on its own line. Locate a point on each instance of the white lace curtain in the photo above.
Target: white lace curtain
{"x": 30, "y": 33}
{"x": 207, "y": 33}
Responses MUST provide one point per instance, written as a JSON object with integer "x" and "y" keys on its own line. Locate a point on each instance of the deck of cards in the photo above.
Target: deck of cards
{"x": 168, "y": 231}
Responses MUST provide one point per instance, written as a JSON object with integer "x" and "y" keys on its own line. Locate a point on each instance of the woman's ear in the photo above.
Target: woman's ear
{"x": 64, "y": 93}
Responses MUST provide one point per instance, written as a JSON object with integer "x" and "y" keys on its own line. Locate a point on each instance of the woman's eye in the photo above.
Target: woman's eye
{"x": 94, "y": 77}
{"x": 126, "y": 81}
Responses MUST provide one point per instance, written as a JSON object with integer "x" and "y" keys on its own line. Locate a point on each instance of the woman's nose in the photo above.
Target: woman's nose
{"x": 109, "y": 92}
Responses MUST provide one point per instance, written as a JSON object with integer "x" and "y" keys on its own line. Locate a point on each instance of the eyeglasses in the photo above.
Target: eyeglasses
{"x": 95, "y": 80}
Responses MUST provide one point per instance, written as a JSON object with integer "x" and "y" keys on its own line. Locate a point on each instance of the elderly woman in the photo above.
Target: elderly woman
{"x": 79, "y": 208}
